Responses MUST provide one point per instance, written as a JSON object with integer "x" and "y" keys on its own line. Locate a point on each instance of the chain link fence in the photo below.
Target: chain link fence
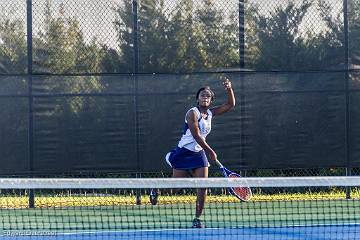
{"x": 71, "y": 70}
{"x": 72, "y": 37}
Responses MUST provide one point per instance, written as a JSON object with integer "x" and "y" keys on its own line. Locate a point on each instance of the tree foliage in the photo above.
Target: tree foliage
{"x": 193, "y": 36}
{"x": 60, "y": 49}
{"x": 13, "y": 57}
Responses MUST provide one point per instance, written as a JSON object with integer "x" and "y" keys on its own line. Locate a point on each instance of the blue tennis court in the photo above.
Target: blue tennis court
{"x": 272, "y": 233}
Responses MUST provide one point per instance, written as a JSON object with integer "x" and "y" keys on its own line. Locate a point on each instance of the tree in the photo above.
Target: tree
{"x": 14, "y": 120}
{"x": 183, "y": 51}
{"x": 111, "y": 61}
{"x": 279, "y": 40}
{"x": 335, "y": 34}
{"x": 124, "y": 27}
{"x": 13, "y": 56}
{"x": 187, "y": 39}
{"x": 60, "y": 48}
{"x": 252, "y": 42}
{"x": 218, "y": 41}
{"x": 152, "y": 35}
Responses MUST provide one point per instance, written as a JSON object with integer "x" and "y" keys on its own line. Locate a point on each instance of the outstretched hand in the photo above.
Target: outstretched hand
{"x": 226, "y": 83}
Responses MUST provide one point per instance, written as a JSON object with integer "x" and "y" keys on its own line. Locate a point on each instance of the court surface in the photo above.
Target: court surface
{"x": 253, "y": 233}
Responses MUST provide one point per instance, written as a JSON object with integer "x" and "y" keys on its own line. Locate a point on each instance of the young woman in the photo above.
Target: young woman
{"x": 190, "y": 154}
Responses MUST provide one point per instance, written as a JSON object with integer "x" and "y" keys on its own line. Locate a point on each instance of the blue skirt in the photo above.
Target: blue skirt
{"x": 184, "y": 159}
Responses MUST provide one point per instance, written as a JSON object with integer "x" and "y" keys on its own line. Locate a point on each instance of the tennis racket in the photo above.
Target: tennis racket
{"x": 242, "y": 193}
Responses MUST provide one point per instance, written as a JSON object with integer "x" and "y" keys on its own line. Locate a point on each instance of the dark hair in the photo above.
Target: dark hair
{"x": 205, "y": 88}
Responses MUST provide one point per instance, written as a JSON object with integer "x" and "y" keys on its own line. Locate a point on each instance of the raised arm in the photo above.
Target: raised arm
{"x": 218, "y": 110}
{"x": 193, "y": 124}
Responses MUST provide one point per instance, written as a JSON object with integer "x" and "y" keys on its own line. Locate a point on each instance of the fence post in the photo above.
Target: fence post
{"x": 135, "y": 72}
{"x": 30, "y": 97}
{"x": 242, "y": 34}
{"x": 241, "y": 76}
{"x": 135, "y": 37}
{"x": 347, "y": 97}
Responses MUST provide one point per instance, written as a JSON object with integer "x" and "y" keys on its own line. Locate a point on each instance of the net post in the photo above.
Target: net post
{"x": 138, "y": 192}
{"x": 348, "y": 189}
{"x": 31, "y": 198}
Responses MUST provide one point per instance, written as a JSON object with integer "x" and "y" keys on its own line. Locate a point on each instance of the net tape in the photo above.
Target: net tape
{"x": 141, "y": 183}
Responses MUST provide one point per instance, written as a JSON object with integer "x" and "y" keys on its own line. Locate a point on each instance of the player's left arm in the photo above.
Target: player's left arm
{"x": 218, "y": 110}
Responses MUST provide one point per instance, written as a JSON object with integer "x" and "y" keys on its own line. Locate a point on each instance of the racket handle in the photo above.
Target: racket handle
{"x": 218, "y": 163}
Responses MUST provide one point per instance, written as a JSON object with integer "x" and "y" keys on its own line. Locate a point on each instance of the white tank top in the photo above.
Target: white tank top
{"x": 187, "y": 140}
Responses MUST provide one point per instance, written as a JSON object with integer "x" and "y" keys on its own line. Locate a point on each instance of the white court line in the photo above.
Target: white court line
{"x": 204, "y": 229}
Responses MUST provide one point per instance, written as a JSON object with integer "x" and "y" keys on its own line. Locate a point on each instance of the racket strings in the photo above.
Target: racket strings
{"x": 241, "y": 192}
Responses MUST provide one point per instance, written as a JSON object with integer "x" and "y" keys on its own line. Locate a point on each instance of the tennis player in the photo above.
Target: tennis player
{"x": 190, "y": 156}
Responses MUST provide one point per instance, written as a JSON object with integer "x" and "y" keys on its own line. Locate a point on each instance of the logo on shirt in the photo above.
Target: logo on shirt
{"x": 205, "y": 128}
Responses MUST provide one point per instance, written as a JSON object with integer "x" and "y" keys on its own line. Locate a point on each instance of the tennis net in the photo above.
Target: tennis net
{"x": 280, "y": 208}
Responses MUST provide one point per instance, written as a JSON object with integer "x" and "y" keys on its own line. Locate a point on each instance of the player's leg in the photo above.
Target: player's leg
{"x": 201, "y": 196}
{"x": 154, "y": 193}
